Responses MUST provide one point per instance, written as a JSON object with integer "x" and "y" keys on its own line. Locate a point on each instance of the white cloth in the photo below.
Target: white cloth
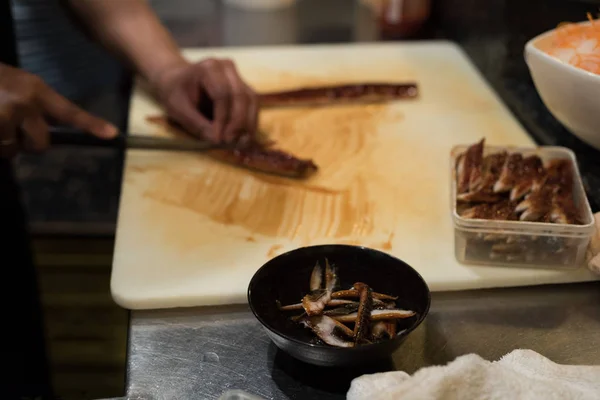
{"x": 521, "y": 374}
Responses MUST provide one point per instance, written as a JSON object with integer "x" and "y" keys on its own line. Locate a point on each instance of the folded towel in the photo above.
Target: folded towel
{"x": 593, "y": 253}
{"x": 521, "y": 374}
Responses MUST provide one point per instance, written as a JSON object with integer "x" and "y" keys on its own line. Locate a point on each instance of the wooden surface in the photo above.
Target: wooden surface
{"x": 192, "y": 231}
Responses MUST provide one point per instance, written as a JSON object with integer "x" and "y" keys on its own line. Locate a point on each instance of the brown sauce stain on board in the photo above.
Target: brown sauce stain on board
{"x": 274, "y": 250}
{"x": 228, "y": 198}
{"x": 286, "y": 182}
{"x": 349, "y": 242}
{"x": 271, "y": 80}
{"x": 367, "y": 179}
{"x": 135, "y": 168}
{"x": 362, "y": 188}
{"x": 387, "y": 245}
{"x": 335, "y": 204}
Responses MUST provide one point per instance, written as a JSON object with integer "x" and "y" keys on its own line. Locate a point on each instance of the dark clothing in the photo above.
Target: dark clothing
{"x": 52, "y": 46}
{"x": 24, "y": 327}
{"x": 27, "y": 364}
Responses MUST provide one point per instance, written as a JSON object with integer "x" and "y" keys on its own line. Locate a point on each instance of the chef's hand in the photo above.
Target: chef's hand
{"x": 25, "y": 104}
{"x": 182, "y": 88}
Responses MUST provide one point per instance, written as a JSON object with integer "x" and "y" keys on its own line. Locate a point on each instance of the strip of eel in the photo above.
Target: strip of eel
{"x": 468, "y": 167}
{"x": 263, "y": 158}
{"x": 340, "y": 94}
{"x": 329, "y": 330}
{"x": 375, "y": 319}
{"x": 383, "y": 329}
{"x": 255, "y": 156}
{"x": 374, "y": 315}
{"x": 354, "y": 293}
{"x": 314, "y": 303}
{"x": 363, "y": 314}
{"x": 484, "y": 192}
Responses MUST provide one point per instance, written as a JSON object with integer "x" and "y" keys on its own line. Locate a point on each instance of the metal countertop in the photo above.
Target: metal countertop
{"x": 200, "y": 353}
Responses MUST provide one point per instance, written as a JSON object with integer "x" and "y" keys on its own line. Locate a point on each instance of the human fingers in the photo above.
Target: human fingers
{"x": 237, "y": 123}
{"x": 182, "y": 108}
{"x": 12, "y": 113}
{"x": 35, "y": 133}
{"x": 252, "y": 112}
{"x": 215, "y": 83}
{"x": 65, "y": 112}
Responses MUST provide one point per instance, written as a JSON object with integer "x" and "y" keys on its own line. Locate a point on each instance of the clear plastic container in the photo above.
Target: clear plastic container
{"x": 238, "y": 395}
{"x": 521, "y": 243}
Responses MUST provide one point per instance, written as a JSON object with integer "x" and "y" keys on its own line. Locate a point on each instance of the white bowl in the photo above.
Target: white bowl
{"x": 571, "y": 94}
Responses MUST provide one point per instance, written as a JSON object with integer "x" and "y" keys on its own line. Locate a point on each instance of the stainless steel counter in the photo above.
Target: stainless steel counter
{"x": 200, "y": 353}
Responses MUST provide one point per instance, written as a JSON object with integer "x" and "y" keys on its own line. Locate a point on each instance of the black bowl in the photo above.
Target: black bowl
{"x": 286, "y": 278}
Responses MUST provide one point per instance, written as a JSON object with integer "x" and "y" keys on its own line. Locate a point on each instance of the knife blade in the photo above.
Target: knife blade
{"x": 75, "y": 137}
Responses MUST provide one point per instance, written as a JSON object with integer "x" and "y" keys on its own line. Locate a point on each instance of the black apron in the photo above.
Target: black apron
{"x": 28, "y": 375}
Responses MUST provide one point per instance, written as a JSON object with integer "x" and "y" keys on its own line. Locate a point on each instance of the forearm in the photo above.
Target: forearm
{"x": 130, "y": 29}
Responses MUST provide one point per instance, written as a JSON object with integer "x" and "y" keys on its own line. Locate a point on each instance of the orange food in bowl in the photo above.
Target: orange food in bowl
{"x": 563, "y": 63}
{"x": 577, "y": 44}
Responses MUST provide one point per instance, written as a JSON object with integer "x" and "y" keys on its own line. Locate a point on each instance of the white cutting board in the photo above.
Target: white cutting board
{"x": 192, "y": 231}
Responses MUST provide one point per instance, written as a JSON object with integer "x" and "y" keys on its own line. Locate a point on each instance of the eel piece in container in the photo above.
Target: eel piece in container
{"x": 531, "y": 177}
{"x": 484, "y": 192}
{"x": 524, "y": 188}
{"x": 468, "y": 168}
{"x": 501, "y": 211}
{"x": 510, "y": 173}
